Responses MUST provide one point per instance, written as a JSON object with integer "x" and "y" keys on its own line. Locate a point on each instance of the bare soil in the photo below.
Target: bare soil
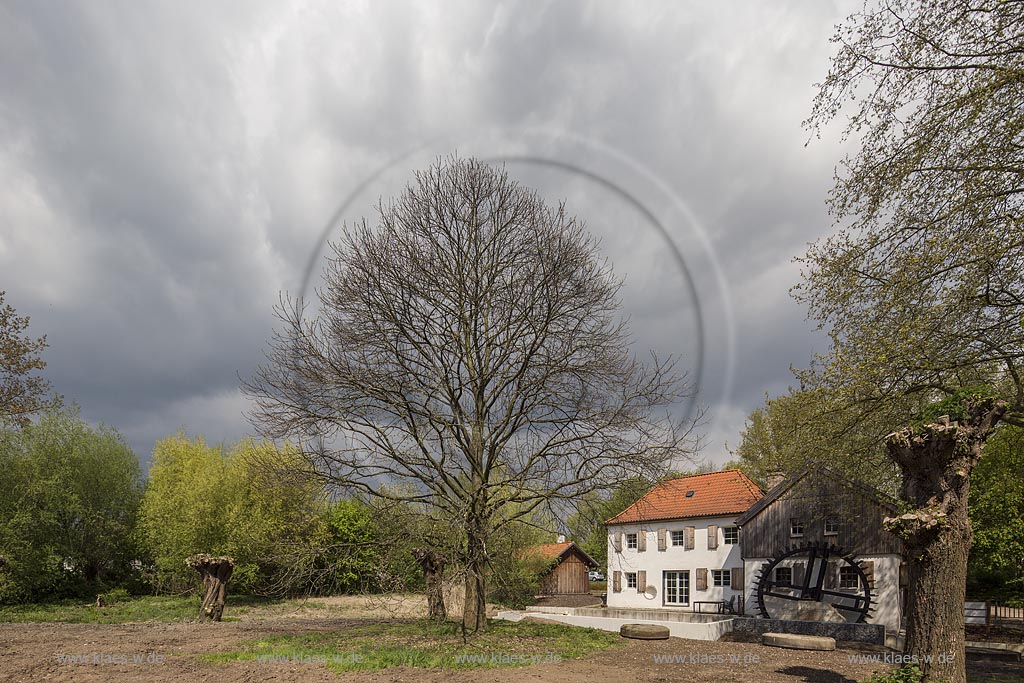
{"x": 169, "y": 652}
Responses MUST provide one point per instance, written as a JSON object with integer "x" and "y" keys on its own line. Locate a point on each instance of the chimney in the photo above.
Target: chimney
{"x": 561, "y": 538}
{"x": 774, "y": 478}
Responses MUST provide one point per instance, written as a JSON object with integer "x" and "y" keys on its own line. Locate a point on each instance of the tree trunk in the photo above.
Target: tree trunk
{"x": 474, "y": 613}
{"x": 216, "y": 572}
{"x": 433, "y": 563}
{"x": 936, "y": 462}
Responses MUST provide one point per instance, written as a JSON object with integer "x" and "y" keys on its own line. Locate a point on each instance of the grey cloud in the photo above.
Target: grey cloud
{"x": 167, "y": 169}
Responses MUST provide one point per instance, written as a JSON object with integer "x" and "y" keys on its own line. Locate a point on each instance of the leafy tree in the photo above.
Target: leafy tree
{"x": 21, "y": 392}
{"x": 997, "y": 507}
{"x": 182, "y": 512}
{"x": 208, "y": 499}
{"x": 922, "y": 289}
{"x": 469, "y": 350}
{"x": 801, "y": 429}
{"x": 69, "y": 494}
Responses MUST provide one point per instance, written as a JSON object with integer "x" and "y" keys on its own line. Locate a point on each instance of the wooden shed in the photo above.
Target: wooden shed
{"x": 570, "y": 573}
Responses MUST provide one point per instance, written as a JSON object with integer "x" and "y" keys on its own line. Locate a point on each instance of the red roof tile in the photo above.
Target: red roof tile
{"x": 715, "y": 493}
{"x": 551, "y": 551}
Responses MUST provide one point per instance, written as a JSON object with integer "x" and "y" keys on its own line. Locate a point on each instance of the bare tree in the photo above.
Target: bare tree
{"x": 469, "y": 353}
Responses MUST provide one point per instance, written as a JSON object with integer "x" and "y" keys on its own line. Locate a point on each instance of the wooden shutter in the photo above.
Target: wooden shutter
{"x": 712, "y": 537}
{"x": 662, "y": 540}
{"x": 617, "y": 541}
{"x": 641, "y": 541}
{"x": 689, "y": 536}
{"x": 616, "y": 582}
{"x": 798, "y": 574}
{"x": 702, "y": 579}
{"x": 904, "y": 575}
{"x": 737, "y": 578}
{"x": 869, "y": 572}
{"x": 641, "y": 581}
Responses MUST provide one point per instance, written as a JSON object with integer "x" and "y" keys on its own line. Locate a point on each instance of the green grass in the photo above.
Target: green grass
{"x": 424, "y": 644}
{"x": 148, "y": 608}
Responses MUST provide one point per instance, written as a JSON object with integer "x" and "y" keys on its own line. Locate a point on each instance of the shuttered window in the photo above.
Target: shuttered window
{"x": 737, "y": 578}
{"x": 712, "y": 537}
{"x": 702, "y": 579}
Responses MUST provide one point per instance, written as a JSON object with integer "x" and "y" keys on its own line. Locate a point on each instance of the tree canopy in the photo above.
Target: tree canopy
{"x": 922, "y": 288}
{"x": 22, "y": 392}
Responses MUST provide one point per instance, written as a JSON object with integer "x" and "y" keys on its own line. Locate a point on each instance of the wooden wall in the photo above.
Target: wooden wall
{"x": 570, "y": 576}
{"x": 812, "y": 499}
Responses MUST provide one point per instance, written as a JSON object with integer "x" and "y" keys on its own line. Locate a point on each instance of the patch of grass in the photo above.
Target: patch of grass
{"x": 424, "y": 644}
{"x": 598, "y": 586}
{"x": 162, "y": 608}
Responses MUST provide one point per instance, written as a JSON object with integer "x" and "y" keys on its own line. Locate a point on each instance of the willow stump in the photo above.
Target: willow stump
{"x": 433, "y": 564}
{"x": 216, "y": 572}
{"x": 936, "y": 461}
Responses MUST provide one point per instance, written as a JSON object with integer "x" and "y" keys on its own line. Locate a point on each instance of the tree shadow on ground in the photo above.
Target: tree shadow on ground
{"x": 812, "y": 675}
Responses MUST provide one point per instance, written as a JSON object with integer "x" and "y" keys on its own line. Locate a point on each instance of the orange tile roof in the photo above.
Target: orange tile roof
{"x": 552, "y": 551}
{"x": 715, "y": 493}
{"x": 547, "y": 551}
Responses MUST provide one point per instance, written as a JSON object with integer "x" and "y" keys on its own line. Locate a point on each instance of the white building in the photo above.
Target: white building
{"x": 679, "y": 545}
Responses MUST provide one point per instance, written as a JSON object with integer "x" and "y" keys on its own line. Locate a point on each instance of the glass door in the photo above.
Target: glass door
{"x": 677, "y": 588}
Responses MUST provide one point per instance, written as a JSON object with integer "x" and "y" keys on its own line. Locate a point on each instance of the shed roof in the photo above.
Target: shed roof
{"x": 556, "y": 551}
{"x": 715, "y": 493}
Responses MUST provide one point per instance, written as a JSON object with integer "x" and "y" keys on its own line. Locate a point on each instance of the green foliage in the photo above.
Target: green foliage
{"x": 801, "y": 429}
{"x": 516, "y": 574}
{"x": 347, "y": 548}
{"x": 922, "y": 287}
{"x": 996, "y": 507}
{"x": 252, "y": 503}
{"x": 22, "y": 392}
{"x": 956, "y": 405}
{"x": 910, "y": 673}
{"x": 427, "y": 645}
{"x": 69, "y": 494}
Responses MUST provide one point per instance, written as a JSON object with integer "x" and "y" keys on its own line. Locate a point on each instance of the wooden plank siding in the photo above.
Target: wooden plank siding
{"x": 812, "y": 500}
{"x": 570, "y": 576}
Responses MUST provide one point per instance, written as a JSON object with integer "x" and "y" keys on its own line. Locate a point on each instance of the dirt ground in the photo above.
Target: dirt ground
{"x": 30, "y": 652}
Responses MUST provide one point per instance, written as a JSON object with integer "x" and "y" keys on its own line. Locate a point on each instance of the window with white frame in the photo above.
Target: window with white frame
{"x": 721, "y": 577}
{"x": 631, "y": 578}
{"x": 677, "y": 587}
{"x": 678, "y": 538}
{"x": 831, "y": 526}
{"x": 631, "y": 541}
{"x": 796, "y": 527}
{"x": 731, "y": 535}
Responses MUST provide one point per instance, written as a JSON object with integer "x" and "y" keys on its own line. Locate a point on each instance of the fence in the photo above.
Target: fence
{"x": 990, "y": 613}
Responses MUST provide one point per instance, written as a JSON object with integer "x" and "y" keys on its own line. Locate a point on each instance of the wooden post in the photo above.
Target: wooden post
{"x": 216, "y": 572}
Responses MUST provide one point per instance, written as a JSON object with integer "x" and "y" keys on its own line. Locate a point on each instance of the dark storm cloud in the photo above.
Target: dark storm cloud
{"x": 167, "y": 169}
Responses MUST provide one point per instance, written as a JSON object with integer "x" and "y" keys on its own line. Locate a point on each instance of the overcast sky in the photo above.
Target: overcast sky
{"x": 167, "y": 169}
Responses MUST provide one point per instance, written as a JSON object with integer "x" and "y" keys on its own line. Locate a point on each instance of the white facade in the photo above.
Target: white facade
{"x": 885, "y": 592}
{"x": 671, "y": 576}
